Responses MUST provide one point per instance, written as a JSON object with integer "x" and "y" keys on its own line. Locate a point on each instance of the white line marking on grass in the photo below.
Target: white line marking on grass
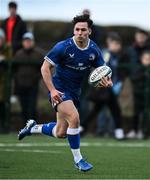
{"x": 31, "y": 151}
{"x": 83, "y": 144}
{"x": 31, "y": 144}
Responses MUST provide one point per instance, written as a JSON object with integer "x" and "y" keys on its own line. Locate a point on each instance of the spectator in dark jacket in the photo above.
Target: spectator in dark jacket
{"x": 140, "y": 126}
{"x": 140, "y": 44}
{"x": 14, "y": 28}
{"x": 27, "y": 75}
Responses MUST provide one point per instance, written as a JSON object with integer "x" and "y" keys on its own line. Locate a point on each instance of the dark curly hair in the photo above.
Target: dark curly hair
{"x": 83, "y": 18}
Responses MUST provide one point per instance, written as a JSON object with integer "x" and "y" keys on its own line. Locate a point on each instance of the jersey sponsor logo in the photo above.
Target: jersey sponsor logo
{"x": 80, "y": 68}
{"x": 91, "y": 57}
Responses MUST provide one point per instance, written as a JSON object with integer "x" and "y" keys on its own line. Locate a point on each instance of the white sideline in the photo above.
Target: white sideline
{"x": 83, "y": 144}
{"x": 32, "y": 150}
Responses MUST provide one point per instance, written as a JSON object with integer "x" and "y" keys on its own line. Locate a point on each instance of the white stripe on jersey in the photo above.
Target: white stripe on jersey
{"x": 49, "y": 60}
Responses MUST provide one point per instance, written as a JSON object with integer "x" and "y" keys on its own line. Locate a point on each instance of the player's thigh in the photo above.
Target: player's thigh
{"x": 68, "y": 110}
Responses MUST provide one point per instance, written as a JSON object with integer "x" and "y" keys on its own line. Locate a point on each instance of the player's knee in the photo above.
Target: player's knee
{"x": 61, "y": 134}
{"x": 74, "y": 120}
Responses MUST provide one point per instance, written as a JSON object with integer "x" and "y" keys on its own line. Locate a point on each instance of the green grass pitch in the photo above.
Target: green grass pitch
{"x": 41, "y": 157}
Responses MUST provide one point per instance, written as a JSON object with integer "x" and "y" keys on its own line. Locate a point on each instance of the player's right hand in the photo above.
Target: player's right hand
{"x": 56, "y": 96}
{"x": 106, "y": 82}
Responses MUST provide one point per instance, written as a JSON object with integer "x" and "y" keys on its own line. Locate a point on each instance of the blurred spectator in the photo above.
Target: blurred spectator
{"x": 105, "y": 125}
{"x": 14, "y": 28}
{"x": 3, "y": 48}
{"x": 98, "y": 34}
{"x": 27, "y": 75}
{"x": 3, "y": 56}
{"x": 140, "y": 44}
{"x": 114, "y": 57}
{"x": 141, "y": 83}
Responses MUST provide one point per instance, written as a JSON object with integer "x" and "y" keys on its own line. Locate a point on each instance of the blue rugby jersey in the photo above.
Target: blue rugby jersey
{"x": 72, "y": 63}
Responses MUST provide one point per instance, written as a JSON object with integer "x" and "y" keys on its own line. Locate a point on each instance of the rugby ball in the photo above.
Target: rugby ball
{"x": 97, "y": 74}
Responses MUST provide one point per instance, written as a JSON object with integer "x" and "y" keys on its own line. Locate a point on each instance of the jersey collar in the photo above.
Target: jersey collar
{"x": 82, "y": 49}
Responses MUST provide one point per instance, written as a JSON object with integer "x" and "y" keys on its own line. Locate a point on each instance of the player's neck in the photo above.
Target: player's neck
{"x": 81, "y": 44}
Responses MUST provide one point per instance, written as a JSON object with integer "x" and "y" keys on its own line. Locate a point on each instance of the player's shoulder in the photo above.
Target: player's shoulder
{"x": 94, "y": 47}
{"x": 64, "y": 44}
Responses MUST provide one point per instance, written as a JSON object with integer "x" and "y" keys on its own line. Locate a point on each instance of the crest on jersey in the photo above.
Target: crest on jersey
{"x": 91, "y": 57}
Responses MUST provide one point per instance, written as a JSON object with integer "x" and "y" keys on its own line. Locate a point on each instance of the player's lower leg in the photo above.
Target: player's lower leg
{"x": 49, "y": 129}
{"x": 74, "y": 141}
{"x": 33, "y": 128}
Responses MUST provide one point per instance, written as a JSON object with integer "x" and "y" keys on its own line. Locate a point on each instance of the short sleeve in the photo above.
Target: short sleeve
{"x": 55, "y": 54}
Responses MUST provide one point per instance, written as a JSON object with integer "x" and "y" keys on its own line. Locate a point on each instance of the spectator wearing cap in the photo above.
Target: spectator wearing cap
{"x": 27, "y": 75}
{"x": 14, "y": 28}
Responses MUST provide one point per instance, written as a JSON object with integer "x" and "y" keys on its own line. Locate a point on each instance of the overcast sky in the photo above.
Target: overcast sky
{"x": 104, "y": 12}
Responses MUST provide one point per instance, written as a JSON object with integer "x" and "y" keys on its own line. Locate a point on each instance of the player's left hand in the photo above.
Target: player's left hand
{"x": 106, "y": 82}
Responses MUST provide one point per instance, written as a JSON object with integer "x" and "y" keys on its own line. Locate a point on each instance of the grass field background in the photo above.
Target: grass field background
{"x": 41, "y": 157}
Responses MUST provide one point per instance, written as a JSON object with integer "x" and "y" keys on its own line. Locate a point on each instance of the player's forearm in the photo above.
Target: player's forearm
{"x": 47, "y": 76}
{"x": 48, "y": 80}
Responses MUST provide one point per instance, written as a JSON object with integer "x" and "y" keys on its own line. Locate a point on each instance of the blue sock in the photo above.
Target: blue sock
{"x": 74, "y": 141}
{"x": 47, "y": 128}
